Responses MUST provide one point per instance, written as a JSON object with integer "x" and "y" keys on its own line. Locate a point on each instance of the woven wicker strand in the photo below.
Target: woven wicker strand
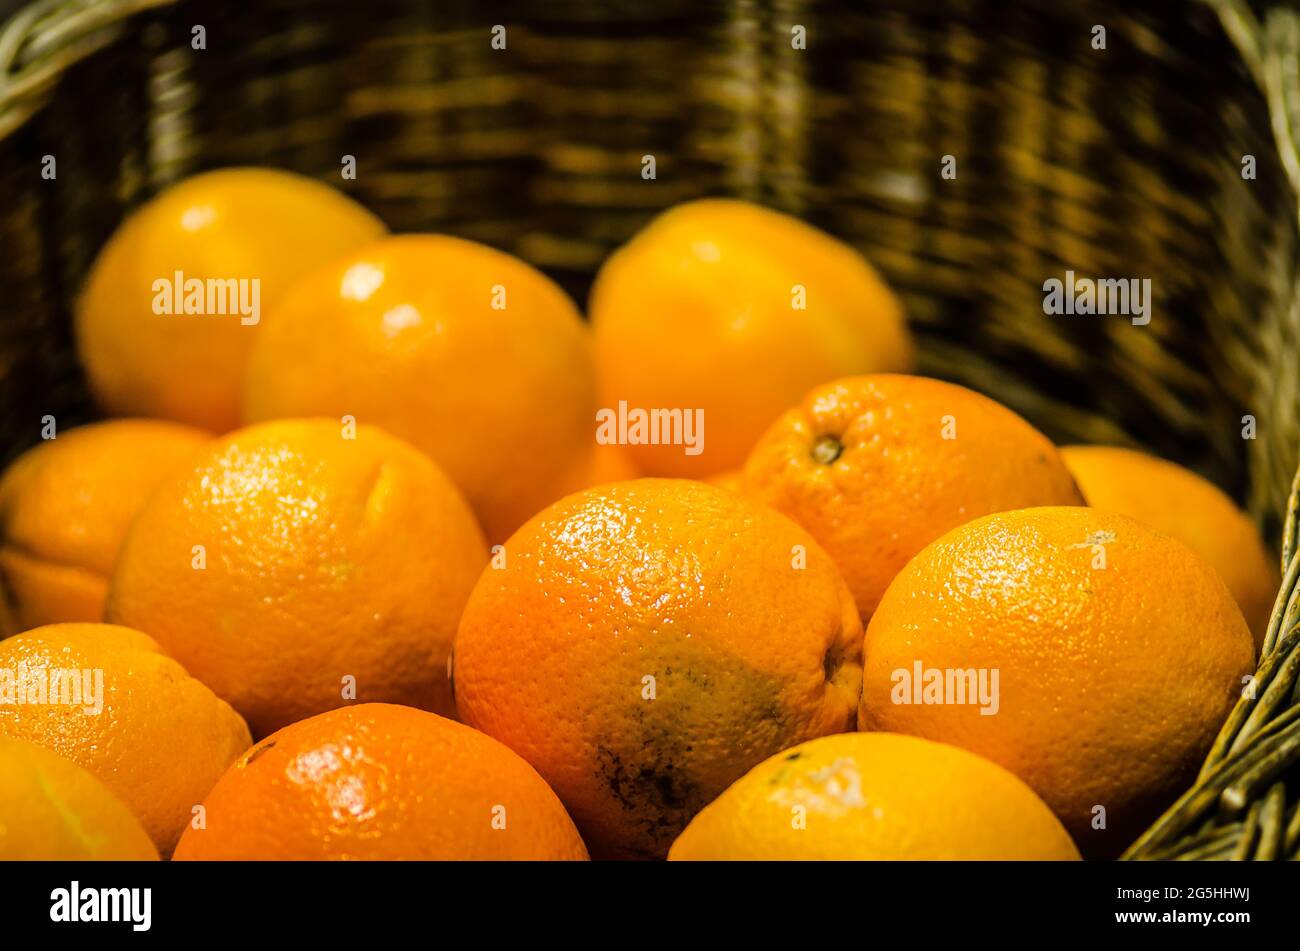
{"x": 1222, "y": 815}
{"x": 47, "y": 37}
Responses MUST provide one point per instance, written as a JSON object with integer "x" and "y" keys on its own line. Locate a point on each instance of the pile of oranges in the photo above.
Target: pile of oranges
{"x": 348, "y": 572}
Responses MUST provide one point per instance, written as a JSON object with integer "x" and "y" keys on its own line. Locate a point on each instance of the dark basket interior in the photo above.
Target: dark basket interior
{"x": 1121, "y": 163}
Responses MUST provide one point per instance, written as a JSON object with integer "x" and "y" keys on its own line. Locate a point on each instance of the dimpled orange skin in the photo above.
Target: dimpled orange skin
{"x": 1180, "y": 503}
{"x": 408, "y": 333}
{"x": 52, "y": 810}
{"x": 65, "y": 506}
{"x": 1113, "y": 681}
{"x": 698, "y": 311}
{"x": 160, "y": 740}
{"x": 238, "y": 223}
{"x": 897, "y": 483}
{"x": 379, "y": 781}
{"x": 649, "y": 641}
{"x": 875, "y": 796}
{"x": 327, "y": 558}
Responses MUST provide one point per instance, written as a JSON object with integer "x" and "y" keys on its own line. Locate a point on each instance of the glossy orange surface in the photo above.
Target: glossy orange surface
{"x": 377, "y": 781}
{"x": 335, "y": 563}
{"x": 159, "y": 739}
{"x": 1180, "y": 503}
{"x": 736, "y": 310}
{"x": 65, "y": 506}
{"x": 1118, "y": 651}
{"x": 647, "y": 642}
{"x": 52, "y": 810}
{"x": 238, "y": 224}
{"x": 877, "y": 467}
{"x": 878, "y": 797}
{"x": 471, "y": 355}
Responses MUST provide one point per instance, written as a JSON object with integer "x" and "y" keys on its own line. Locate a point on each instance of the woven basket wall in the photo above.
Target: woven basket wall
{"x": 1123, "y": 162}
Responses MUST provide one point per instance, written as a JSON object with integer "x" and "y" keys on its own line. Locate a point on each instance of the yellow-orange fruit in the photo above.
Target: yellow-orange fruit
{"x": 379, "y": 781}
{"x": 877, "y": 467}
{"x": 878, "y": 796}
{"x": 1088, "y": 654}
{"x": 65, "y": 506}
{"x": 53, "y": 810}
{"x": 108, "y": 699}
{"x": 645, "y": 643}
{"x": 253, "y": 230}
{"x": 1180, "y": 503}
{"x": 602, "y": 464}
{"x": 300, "y": 564}
{"x": 735, "y": 310}
{"x": 732, "y": 479}
{"x": 474, "y": 357}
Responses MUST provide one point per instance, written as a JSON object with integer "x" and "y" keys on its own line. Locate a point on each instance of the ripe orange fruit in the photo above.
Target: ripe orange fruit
{"x": 299, "y": 564}
{"x": 737, "y": 310}
{"x": 733, "y": 479}
{"x": 110, "y": 700}
{"x": 379, "y": 781}
{"x": 1182, "y": 504}
{"x": 470, "y": 354}
{"x": 610, "y": 463}
{"x": 53, "y": 810}
{"x": 877, "y": 796}
{"x": 65, "y": 506}
{"x": 604, "y": 463}
{"x": 1118, "y": 653}
{"x": 236, "y": 224}
{"x": 647, "y": 642}
{"x": 877, "y": 467}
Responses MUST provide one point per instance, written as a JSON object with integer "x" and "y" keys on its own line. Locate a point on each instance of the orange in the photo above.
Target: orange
{"x": 877, "y": 467}
{"x": 876, "y": 796}
{"x": 736, "y": 310}
{"x": 53, "y": 810}
{"x": 603, "y": 463}
{"x": 236, "y": 224}
{"x": 379, "y": 781}
{"x": 470, "y": 354}
{"x": 733, "y": 479}
{"x": 65, "y": 506}
{"x": 1117, "y": 654}
{"x": 111, "y": 701}
{"x": 1180, "y": 503}
{"x": 301, "y": 564}
{"x": 645, "y": 643}
{"x": 609, "y": 463}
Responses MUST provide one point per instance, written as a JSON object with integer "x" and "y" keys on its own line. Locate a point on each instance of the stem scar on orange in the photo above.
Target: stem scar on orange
{"x": 735, "y": 310}
{"x": 877, "y": 467}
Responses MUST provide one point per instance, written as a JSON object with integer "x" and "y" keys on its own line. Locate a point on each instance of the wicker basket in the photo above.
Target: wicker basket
{"x": 1123, "y": 161}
